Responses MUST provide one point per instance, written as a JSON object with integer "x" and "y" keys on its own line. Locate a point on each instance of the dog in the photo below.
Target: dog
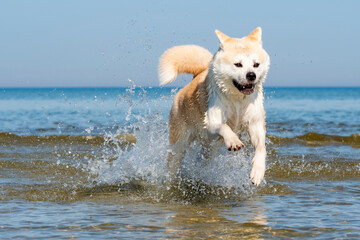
{"x": 224, "y": 98}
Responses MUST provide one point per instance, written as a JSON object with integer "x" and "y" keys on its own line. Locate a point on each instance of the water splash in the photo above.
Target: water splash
{"x": 145, "y": 163}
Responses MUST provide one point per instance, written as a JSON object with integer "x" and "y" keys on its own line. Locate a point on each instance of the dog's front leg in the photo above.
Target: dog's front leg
{"x": 216, "y": 125}
{"x": 257, "y": 134}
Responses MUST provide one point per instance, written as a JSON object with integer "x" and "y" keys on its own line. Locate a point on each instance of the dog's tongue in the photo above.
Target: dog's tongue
{"x": 245, "y": 89}
{"x": 248, "y": 89}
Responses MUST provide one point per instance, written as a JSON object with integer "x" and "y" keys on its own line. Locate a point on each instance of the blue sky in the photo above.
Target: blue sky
{"x": 106, "y": 43}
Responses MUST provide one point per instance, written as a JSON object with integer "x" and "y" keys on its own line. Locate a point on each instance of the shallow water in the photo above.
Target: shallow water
{"x": 86, "y": 163}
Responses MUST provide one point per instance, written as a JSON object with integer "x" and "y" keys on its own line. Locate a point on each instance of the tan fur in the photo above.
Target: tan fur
{"x": 188, "y": 107}
{"x": 194, "y": 116}
{"x": 190, "y": 59}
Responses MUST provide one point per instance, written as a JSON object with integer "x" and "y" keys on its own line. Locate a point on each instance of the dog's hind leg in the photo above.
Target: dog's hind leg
{"x": 179, "y": 142}
{"x": 175, "y": 157}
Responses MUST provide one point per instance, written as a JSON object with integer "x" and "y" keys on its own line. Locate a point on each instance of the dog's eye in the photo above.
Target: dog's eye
{"x": 238, "y": 64}
{"x": 256, "y": 65}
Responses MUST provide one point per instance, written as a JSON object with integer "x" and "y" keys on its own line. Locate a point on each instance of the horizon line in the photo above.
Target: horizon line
{"x": 53, "y": 87}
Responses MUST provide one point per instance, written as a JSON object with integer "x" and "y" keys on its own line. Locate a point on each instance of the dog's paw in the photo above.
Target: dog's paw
{"x": 257, "y": 173}
{"x": 233, "y": 143}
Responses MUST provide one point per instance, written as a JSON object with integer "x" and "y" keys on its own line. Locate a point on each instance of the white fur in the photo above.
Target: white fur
{"x": 229, "y": 111}
{"x": 244, "y": 111}
{"x": 167, "y": 75}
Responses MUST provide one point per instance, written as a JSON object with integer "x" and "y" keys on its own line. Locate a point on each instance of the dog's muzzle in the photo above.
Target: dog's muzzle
{"x": 246, "y": 89}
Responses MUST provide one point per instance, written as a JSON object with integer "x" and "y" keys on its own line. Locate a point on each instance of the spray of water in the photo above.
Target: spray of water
{"x": 143, "y": 165}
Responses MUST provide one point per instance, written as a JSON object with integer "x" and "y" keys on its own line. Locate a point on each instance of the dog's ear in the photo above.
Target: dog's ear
{"x": 222, "y": 37}
{"x": 256, "y": 34}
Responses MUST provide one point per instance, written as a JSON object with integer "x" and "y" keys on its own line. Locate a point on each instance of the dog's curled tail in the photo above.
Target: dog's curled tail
{"x": 183, "y": 59}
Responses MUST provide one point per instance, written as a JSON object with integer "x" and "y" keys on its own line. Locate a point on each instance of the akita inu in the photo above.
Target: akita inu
{"x": 224, "y": 98}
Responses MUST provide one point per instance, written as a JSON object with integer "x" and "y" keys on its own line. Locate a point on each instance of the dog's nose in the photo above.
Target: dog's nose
{"x": 251, "y": 76}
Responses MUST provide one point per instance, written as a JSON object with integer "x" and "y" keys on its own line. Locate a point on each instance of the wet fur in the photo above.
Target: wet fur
{"x": 210, "y": 109}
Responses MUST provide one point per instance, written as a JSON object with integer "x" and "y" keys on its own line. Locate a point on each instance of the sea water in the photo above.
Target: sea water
{"x": 84, "y": 163}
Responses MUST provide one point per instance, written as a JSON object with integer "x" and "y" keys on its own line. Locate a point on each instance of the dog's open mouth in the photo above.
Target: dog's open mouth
{"x": 245, "y": 89}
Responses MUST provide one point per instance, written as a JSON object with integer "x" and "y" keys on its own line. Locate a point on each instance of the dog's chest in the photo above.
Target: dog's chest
{"x": 236, "y": 116}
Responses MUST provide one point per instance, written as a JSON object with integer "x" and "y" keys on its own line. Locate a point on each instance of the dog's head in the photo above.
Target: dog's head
{"x": 241, "y": 64}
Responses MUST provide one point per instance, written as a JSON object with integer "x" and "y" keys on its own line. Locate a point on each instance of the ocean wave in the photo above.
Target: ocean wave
{"x": 133, "y": 165}
{"x": 7, "y": 138}
{"x": 59, "y": 181}
{"x": 311, "y": 139}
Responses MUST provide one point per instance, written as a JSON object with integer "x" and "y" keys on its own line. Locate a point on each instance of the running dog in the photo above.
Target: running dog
{"x": 224, "y": 98}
